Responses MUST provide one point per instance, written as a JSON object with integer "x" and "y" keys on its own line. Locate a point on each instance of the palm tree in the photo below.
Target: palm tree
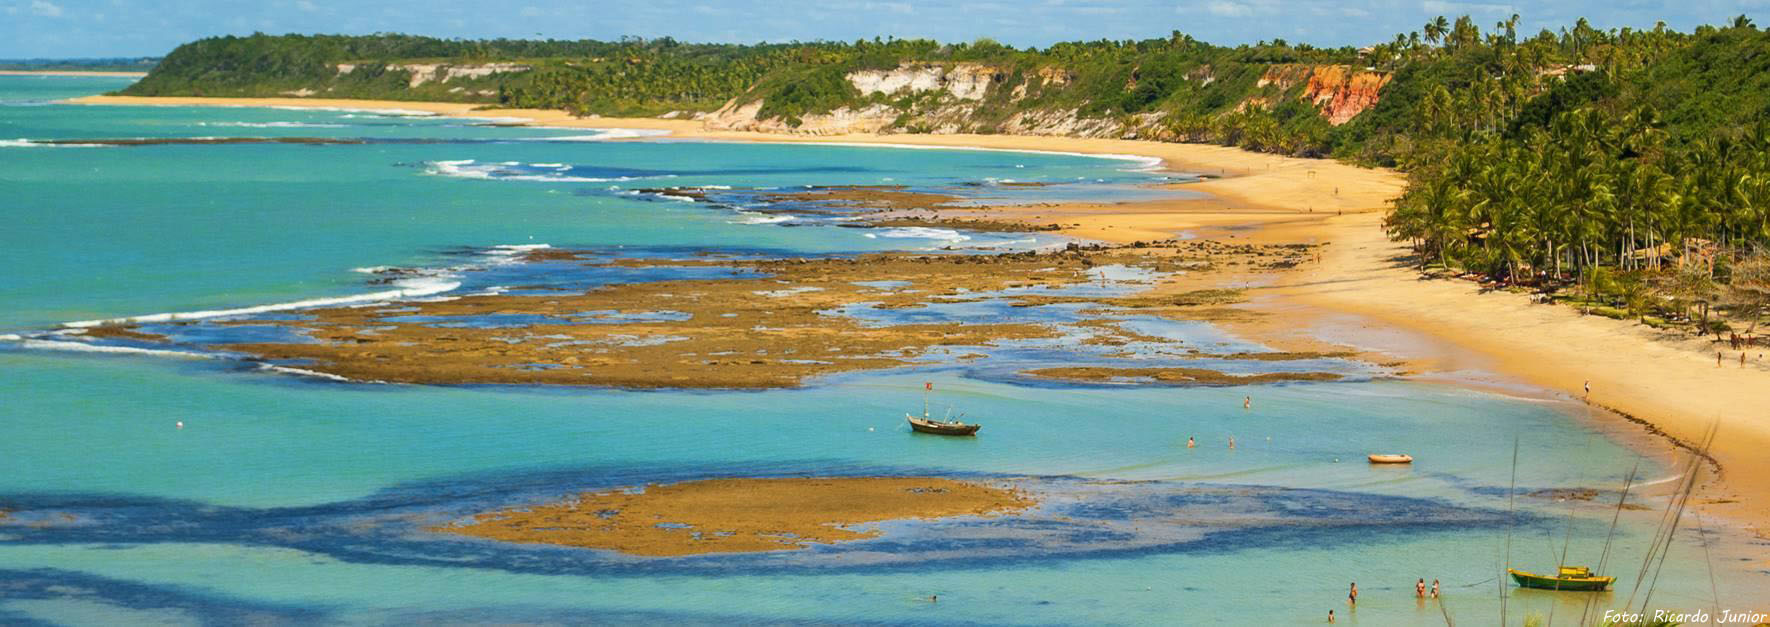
{"x": 1436, "y": 29}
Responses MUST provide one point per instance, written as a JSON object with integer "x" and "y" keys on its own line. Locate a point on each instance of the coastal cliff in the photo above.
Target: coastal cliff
{"x": 1175, "y": 89}
{"x": 975, "y": 98}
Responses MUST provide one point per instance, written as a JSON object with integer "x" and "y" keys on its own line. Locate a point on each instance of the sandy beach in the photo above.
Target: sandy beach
{"x": 1669, "y": 382}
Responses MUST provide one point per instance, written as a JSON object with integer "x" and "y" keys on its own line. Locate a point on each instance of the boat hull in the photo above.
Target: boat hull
{"x": 1544, "y": 582}
{"x": 1391, "y": 459}
{"x": 942, "y": 428}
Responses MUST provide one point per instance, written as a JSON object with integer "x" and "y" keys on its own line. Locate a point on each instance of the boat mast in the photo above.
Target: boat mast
{"x": 926, "y": 388}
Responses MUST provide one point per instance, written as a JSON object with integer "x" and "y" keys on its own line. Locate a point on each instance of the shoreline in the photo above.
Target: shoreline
{"x": 72, "y": 73}
{"x": 1662, "y": 382}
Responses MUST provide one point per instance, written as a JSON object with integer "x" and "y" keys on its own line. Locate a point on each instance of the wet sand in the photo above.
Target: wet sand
{"x": 739, "y": 515}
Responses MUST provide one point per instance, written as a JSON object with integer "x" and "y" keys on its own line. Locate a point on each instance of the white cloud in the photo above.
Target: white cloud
{"x": 306, "y": 5}
{"x": 1440, "y": 7}
{"x": 1229, "y": 9}
{"x": 894, "y": 7}
{"x": 529, "y": 12}
{"x": 45, "y": 8}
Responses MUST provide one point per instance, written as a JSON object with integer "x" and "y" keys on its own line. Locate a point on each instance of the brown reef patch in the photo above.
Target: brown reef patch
{"x": 739, "y": 515}
{"x": 122, "y": 332}
{"x": 1179, "y": 376}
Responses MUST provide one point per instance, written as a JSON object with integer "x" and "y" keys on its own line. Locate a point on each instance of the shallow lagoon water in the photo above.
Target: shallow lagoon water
{"x": 107, "y": 232}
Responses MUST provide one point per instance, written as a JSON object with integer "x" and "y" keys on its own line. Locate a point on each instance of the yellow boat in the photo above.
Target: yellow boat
{"x": 1571, "y": 578}
{"x": 1391, "y": 458}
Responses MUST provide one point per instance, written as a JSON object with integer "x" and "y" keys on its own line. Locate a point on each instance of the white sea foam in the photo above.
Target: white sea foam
{"x": 274, "y": 124}
{"x": 921, "y": 232}
{"x": 470, "y": 169}
{"x": 515, "y": 249}
{"x": 602, "y": 134}
{"x": 83, "y": 347}
{"x": 26, "y": 143}
{"x": 408, "y": 288}
{"x": 310, "y": 373}
{"x": 760, "y": 218}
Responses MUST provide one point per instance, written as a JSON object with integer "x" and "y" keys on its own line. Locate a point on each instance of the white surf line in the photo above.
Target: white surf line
{"x": 82, "y": 347}
{"x": 303, "y": 372}
{"x": 416, "y": 288}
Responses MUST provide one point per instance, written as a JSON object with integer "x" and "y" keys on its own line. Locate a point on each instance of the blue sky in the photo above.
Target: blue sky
{"x": 82, "y": 28}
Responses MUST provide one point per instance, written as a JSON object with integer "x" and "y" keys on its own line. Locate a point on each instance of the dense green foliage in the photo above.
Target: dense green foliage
{"x": 1646, "y": 178}
{"x": 1578, "y": 154}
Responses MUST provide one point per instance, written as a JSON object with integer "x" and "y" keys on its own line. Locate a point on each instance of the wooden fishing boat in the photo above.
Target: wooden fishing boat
{"x": 941, "y": 427}
{"x": 1391, "y": 458}
{"x": 1578, "y": 578}
{"x": 950, "y": 426}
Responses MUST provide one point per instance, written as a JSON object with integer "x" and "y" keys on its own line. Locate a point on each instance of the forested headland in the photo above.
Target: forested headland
{"x": 1630, "y": 165}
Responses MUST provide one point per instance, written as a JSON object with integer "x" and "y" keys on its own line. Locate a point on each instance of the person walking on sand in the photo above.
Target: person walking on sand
{"x": 1588, "y": 389}
{"x": 1420, "y": 588}
{"x": 1352, "y": 597}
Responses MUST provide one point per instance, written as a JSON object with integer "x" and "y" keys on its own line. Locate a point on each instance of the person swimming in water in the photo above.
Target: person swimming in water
{"x": 1434, "y": 588}
{"x": 1232, "y": 441}
{"x": 1190, "y": 443}
{"x": 1420, "y": 588}
{"x": 1352, "y": 596}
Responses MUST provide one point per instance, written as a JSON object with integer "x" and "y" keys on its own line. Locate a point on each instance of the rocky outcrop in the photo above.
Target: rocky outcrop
{"x": 441, "y": 72}
{"x": 1338, "y": 91}
{"x": 964, "y": 81}
{"x": 743, "y": 117}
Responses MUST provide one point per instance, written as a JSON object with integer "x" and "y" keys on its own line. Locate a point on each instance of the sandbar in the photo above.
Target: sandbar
{"x": 739, "y": 515}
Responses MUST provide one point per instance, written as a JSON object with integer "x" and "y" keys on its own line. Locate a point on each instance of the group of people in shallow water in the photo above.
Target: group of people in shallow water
{"x": 1247, "y": 402}
{"x": 1420, "y": 592}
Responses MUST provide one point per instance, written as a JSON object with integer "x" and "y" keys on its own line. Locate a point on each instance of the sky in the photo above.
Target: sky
{"x": 108, "y": 28}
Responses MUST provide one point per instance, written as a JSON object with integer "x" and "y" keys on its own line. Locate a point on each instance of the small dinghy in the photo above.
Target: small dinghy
{"x": 1391, "y": 458}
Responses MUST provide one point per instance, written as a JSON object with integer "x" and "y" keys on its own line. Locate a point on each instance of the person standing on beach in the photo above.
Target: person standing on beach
{"x": 1588, "y": 388}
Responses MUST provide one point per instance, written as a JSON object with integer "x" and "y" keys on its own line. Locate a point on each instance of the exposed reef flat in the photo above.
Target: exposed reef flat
{"x": 739, "y": 515}
{"x": 779, "y": 323}
{"x": 783, "y": 321}
{"x": 1188, "y": 376}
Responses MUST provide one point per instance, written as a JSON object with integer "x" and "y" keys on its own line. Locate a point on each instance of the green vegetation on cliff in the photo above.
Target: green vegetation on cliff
{"x": 1576, "y": 155}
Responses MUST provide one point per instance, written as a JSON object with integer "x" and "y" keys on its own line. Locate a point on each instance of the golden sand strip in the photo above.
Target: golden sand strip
{"x": 1673, "y": 385}
{"x": 739, "y": 515}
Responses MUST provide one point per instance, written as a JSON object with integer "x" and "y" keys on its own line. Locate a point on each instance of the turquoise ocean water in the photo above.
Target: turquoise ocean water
{"x": 290, "y": 499}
